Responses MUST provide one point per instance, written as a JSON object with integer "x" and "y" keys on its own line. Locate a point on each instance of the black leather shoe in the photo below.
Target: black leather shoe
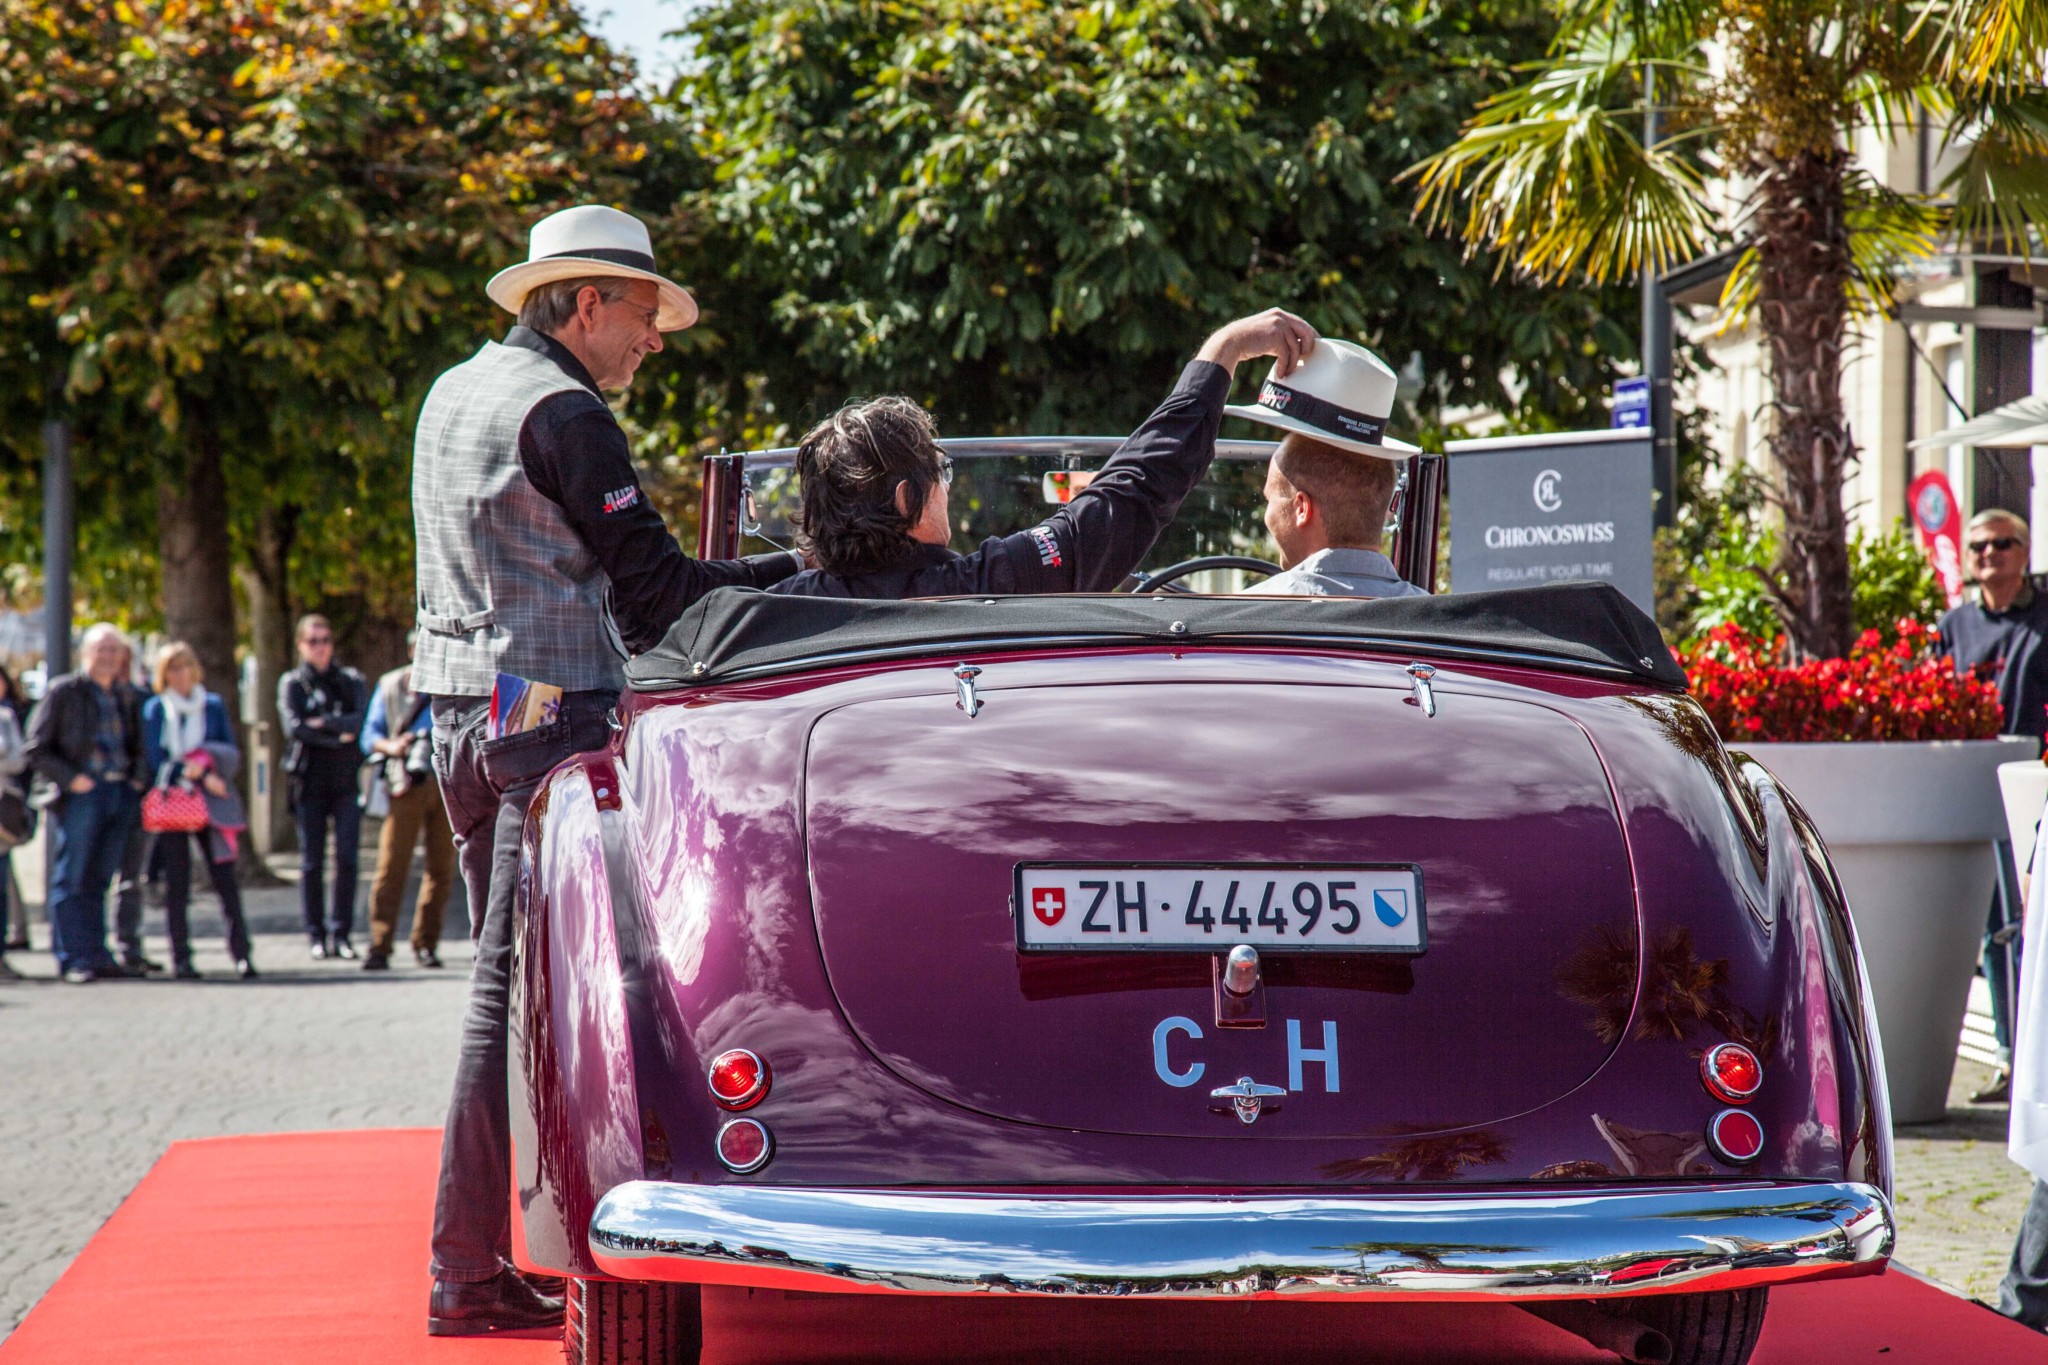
{"x": 344, "y": 950}
{"x": 138, "y": 965}
{"x": 185, "y": 971}
{"x": 1998, "y": 1092}
{"x": 426, "y": 957}
{"x": 318, "y": 948}
{"x": 374, "y": 961}
{"x": 503, "y": 1303}
{"x": 114, "y": 971}
{"x": 245, "y": 969}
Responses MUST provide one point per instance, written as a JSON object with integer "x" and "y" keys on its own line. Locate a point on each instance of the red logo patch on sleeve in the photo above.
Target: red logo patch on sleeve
{"x": 1048, "y": 547}
{"x": 619, "y": 499}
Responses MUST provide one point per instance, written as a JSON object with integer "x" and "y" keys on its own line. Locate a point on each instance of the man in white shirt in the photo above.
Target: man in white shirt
{"x": 1332, "y": 479}
{"x": 1327, "y": 511}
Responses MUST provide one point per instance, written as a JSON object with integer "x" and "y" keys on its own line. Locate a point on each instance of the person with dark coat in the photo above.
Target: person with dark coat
{"x": 875, "y": 518}
{"x": 187, "y": 740}
{"x": 539, "y": 558}
{"x": 320, "y": 705}
{"x": 85, "y": 748}
{"x": 2000, "y": 633}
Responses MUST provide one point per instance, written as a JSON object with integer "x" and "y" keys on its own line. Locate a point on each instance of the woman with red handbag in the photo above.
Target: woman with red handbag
{"x": 188, "y": 743}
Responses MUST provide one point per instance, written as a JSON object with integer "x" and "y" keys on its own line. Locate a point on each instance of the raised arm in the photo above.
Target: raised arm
{"x": 1096, "y": 541}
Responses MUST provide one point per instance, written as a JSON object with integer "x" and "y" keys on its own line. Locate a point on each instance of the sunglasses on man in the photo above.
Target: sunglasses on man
{"x": 1999, "y": 543}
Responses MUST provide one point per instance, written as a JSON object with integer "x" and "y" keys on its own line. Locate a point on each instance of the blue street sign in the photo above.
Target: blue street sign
{"x": 1631, "y": 403}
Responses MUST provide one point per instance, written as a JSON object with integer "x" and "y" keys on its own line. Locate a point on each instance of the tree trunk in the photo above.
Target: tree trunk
{"x": 1802, "y": 303}
{"x": 192, "y": 541}
{"x": 266, "y": 582}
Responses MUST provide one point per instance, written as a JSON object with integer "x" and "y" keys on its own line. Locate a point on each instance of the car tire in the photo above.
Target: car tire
{"x": 620, "y": 1322}
{"x": 1704, "y": 1329}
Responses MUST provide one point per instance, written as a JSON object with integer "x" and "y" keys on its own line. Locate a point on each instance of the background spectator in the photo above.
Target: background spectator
{"x": 13, "y": 762}
{"x": 128, "y": 881}
{"x": 400, "y": 733}
{"x": 85, "y": 746}
{"x": 186, "y": 738}
{"x": 1997, "y": 634}
{"x": 320, "y": 706}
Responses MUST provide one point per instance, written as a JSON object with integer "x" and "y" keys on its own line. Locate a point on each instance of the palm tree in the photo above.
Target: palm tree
{"x": 1766, "y": 94}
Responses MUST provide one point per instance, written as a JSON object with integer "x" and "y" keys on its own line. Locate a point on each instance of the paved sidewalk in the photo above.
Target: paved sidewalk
{"x": 97, "y": 1080}
{"x": 1957, "y": 1197}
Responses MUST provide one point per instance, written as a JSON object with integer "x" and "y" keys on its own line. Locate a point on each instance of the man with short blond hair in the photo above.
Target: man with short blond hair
{"x": 1326, "y": 510}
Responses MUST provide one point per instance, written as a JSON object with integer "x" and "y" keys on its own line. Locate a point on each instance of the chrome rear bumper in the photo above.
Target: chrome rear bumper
{"x": 1546, "y": 1244}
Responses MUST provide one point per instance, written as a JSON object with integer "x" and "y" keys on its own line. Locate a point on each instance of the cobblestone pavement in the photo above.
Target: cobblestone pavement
{"x": 97, "y": 1080}
{"x": 1957, "y": 1196}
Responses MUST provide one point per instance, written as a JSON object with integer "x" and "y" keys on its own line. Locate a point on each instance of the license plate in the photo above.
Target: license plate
{"x": 1190, "y": 907}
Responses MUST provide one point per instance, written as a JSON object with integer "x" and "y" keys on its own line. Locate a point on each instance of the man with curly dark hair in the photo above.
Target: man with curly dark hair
{"x": 875, "y": 521}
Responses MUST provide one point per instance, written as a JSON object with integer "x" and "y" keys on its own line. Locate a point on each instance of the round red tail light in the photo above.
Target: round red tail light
{"x": 1736, "y": 1135}
{"x": 1731, "y": 1072}
{"x": 744, "y": 1145}
{"x": 739, "y": 1079}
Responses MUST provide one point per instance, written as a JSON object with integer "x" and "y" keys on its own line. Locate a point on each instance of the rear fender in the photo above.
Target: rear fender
{"x": 574, "y": 1100}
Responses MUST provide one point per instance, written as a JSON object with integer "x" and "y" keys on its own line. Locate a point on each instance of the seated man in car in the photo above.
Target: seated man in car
{"x": 1331, "y": 482}
{"x": 873, "y": 512}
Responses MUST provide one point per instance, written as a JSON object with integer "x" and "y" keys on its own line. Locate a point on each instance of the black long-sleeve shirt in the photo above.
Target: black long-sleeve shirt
{"x": 575, "y": 455}
{"x": 1090, "y": 545}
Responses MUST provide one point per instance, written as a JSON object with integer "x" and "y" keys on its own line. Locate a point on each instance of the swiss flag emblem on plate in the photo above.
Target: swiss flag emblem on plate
{"x": 1049, "y": 904}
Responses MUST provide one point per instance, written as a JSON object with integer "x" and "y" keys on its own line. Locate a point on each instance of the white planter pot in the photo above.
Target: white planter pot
{"x": 1910, "y": 829}
{"x": 2025, "y": 789}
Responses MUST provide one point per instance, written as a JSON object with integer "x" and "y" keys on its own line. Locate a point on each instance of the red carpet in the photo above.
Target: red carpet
{"x": 312, "y": 1247}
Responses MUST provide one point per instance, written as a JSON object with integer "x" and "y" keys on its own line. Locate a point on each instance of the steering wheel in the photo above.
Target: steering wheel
{"x": 1164, "y": 579}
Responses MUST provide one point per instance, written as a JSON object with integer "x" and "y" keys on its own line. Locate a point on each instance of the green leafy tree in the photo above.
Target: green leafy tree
{"x": 1891, "y": 576}
{"x": 238, "y": 239}
{"x": 1768, "y": 92}
{"x": 1027, "y": 214}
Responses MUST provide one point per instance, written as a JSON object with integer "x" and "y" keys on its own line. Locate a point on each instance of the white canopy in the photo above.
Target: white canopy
{"x": 2023, "y": 422}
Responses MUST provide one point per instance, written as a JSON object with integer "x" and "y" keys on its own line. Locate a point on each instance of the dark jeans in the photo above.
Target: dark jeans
{"x": 91, "y": 831}
{"x": 176, "y": 850}
{"x": 486, "y": 785}
{"x": 128, "y": 890}
{"x": 314, "y": 810}
{"x": 2023, "y": 1295}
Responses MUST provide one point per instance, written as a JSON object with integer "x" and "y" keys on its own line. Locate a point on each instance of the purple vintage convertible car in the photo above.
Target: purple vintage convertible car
{"x": 1181, "y": 945}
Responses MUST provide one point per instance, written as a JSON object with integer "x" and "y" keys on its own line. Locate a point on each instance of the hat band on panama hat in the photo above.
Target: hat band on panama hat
{"x": 1321, "y": 413}
{"x": 638, "y": 260}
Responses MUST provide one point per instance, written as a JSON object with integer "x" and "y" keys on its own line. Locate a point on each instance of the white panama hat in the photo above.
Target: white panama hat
{"x": 591, "y": 239}
{"x": 1341, "y": 395}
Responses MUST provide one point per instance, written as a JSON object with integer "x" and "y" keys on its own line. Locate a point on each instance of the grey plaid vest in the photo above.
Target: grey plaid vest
{"x": 505, "y": 584}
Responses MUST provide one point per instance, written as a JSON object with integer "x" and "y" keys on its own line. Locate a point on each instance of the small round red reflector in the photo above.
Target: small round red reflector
{"x": 744, "y": 1145}
{"x": 1731, "y": 1072}
{"x": 1736, "y": 1135}
{"x": 739, "y": 1079}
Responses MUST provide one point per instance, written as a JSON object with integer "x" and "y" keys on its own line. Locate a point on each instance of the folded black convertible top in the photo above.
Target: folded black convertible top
{"x": 735, "y": 634}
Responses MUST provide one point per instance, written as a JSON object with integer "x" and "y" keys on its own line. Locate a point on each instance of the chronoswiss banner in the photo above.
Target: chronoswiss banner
{"x": 1553, "y": 508}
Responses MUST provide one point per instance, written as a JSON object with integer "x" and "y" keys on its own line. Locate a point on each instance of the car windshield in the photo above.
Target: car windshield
{"x": 1006, "y": 485}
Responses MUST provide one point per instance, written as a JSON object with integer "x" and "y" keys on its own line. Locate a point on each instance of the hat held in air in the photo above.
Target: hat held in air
{"x": 591, "y": 239}
{"x": 1341, "y": 395}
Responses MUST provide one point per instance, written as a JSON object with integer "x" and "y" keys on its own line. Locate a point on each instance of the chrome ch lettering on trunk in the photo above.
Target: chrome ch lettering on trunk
{"x": 1161, "y": 1064}
{"x": 1299, "y": 1058}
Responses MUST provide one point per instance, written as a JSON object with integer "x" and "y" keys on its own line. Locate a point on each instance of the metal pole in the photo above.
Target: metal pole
{"x": 1656, "y": 348}
{"x": 59, "y": 535}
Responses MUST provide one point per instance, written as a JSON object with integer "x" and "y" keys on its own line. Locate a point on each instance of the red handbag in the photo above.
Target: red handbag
{"x": 173, "y": 810}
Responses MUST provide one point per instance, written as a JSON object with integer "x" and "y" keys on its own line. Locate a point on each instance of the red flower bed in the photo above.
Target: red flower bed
{"x": 1898, "y": 691}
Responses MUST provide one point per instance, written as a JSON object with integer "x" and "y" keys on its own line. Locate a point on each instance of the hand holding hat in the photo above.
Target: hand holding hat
{"x": 1275, "y": 332}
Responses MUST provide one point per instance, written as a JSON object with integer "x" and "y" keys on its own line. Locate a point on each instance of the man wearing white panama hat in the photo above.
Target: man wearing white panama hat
{"x": 538, "y": 557}
{"x": 1332, "y": 479}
